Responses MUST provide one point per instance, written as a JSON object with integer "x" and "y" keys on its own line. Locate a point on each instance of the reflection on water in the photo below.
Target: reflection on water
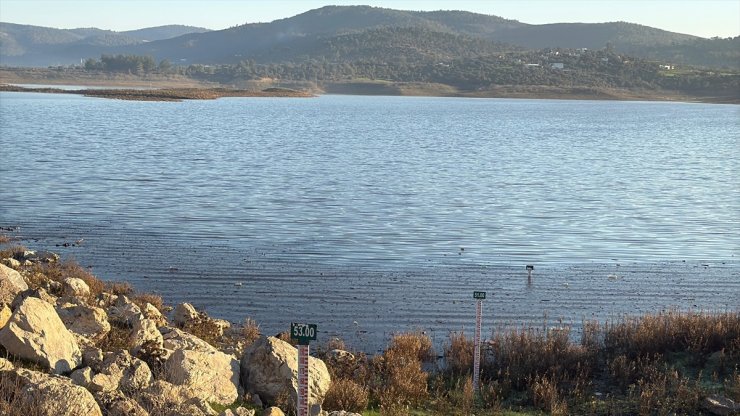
{"x": 364, "y": 190}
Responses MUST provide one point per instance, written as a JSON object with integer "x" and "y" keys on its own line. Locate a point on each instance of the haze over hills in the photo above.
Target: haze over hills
{"x": 342, "y": 33}
{"x": 27, "y": 45}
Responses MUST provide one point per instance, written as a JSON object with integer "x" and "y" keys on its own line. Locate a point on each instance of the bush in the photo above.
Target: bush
{"x": 250, "y": 331}
{"x": 459, "y": 354}
{"x": 345, "y": 394}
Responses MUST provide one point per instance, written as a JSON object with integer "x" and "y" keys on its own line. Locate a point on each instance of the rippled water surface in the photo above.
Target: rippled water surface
{"x": 342, "y": 205}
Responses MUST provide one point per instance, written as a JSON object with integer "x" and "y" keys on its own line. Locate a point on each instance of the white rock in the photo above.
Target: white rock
{"x": 76, "y": 288}
{"x": 184, "y": 313}
{"x": 11, "y": 262}
{"x": 53, "y": 395}
{"x": 151, "y": 312}
{"x": 239, "y": 411}
{"x": 5, "y": 314}
{"x": 213, "y": 375}
{"x": 36, "y": 333}
{"x": 115, "y": 403}
{"x": 270, "y": 366}
{"x": 82, "y": 376}
{"x": 273, "y": 411}
{"x": 5, "y": 364}
{"x": 121, "y": 371}
{"x": 145, "y": 334}
{"x": 124, "y": 311}
{"x": 11, "y": 283}
{"x": 88, "y": 322}
{"x": 176, "y": 339}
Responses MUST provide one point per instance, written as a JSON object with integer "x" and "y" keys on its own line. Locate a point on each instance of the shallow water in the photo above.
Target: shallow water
{"x": 386, "y": 211}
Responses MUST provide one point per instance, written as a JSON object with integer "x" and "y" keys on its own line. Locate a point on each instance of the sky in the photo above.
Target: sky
{"x": 706, "y": 18}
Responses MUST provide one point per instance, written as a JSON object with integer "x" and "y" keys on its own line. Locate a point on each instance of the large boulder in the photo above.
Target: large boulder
{"x": 50, "y": 395}
{"x": 89, "y": 323}
{"x": 213, "y": 375}
{"x": 269, "y": 367}
{"x": 11, "y": 283}
{"x": 36, "y": 333}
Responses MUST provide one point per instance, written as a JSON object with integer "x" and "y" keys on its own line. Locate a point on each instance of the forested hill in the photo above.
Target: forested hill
{"x": 350, "y": 33}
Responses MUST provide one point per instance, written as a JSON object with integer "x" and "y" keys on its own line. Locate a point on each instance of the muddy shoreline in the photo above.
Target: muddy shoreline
{"x": 165, "y": 94}
{"x": 366, "y": 305}
{"x": 190, "y": 87}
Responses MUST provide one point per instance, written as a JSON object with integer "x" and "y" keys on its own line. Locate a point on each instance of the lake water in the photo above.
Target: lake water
{"x": 375, "y": 214}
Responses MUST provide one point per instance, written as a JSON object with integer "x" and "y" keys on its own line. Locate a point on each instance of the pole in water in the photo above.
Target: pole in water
{"x": 529, "y": 273}
{"x": 478, "y": 296}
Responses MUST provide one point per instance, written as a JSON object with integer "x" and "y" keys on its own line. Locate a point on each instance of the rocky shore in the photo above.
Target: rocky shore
{"x": 72, "y": 346}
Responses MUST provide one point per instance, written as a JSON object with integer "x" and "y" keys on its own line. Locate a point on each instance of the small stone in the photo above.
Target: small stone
{"x": 12, "y": 263}
{"x": 5, "y": 365}
{"x": 5, "y": 313}
{"x": 273, "y": 411}
{"x": 720, "y": 405}
{"x": 76, "y": 288}
{"x": 184, "y": 313}
{"x": 82, "y": 377}
{"x": 11, "y": 284}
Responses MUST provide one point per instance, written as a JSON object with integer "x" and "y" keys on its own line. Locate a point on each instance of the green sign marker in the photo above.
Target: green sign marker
{"x": 303, "y": 333}
{"x": 479, "y": 295}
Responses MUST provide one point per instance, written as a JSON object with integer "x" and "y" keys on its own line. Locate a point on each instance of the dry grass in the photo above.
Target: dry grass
{"x": 116, "y": 339}
{"x": 404, "y": 384}
{"x": 4, "y": 239}
{"x": 346, "y": 394}
{"x": 522, "y": 355}
{"x": 545, "y": 395}
{"x": 250, "y": 331}
{"x": 58, "y": 271}
{"x": 413, "y": 344}
{"x": 119, "y": 288}
{"x": 141, "y": 299}
{"x": 672, "y": 331}
{"x": 459, "y": 354}
{"x": 13, "y": 252}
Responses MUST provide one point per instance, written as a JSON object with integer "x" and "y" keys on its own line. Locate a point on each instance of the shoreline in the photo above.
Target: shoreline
{"x": 358, "y": 87}
{"x": 164, "y": 94}
{"x": 366, "y": 307}
{"x": 658, "y": 354}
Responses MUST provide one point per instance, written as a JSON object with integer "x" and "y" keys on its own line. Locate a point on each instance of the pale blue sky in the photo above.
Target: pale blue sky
{"x": 697, "y": 17}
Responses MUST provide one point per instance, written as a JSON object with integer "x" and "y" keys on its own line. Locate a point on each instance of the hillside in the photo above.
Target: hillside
{"x": 26, "y": 45}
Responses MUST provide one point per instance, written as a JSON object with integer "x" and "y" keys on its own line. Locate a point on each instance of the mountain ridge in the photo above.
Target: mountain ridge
{"x": 312, "y": 29}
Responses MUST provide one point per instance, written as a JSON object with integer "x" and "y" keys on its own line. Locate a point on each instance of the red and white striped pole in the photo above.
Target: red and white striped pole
{"x": 478, "y": 296}
{"x": 303, "y": 380}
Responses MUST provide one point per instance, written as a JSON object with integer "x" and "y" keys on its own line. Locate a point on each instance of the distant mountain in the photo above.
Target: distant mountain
{"x": 341, "y": 33}
{"x": 163, "y": 32}
{"x": 28, "y": 45}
